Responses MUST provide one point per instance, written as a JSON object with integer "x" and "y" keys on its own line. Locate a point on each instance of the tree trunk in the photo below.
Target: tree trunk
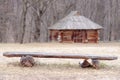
{"x": 26, "y": 21}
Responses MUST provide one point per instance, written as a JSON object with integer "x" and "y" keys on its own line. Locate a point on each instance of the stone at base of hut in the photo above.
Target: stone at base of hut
{"x": 27, "y": 61}
{"x": 85, "y": 64}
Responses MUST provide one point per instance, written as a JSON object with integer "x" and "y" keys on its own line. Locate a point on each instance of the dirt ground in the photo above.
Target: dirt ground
{"x": 60, "y": 69}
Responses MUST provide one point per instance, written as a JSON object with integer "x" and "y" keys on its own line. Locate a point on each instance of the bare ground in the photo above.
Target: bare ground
{"x": 60, "y": 69}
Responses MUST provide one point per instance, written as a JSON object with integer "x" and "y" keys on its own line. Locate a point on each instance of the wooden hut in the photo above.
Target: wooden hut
{"x": 75, "y": 28}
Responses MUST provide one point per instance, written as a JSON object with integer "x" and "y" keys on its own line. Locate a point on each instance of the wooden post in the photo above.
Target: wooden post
{"x": 97, "y": 34}
{"x": 61, "y": 36}
{"x": 50, "y": 35}
{"x": 83, "y": 36}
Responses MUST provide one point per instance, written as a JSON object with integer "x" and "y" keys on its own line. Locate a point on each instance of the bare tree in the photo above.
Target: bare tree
{"x": 27, "y": 21}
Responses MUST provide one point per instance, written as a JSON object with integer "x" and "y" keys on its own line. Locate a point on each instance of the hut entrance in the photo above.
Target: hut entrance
{"x": 78, "y": 36}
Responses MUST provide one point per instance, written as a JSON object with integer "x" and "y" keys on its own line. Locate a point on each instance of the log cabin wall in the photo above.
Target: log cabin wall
{"x": 67, "y": 35}
{"x": 53, "y": 35}
{"x": 92, "y": 36}
{"x": 76, "y": 36}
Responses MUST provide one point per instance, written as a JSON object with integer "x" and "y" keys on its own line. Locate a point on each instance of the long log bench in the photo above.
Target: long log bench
{"x": 27, "y": 57}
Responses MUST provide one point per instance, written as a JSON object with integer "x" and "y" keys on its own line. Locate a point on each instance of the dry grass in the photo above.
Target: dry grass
{"x": 60, "y": 69}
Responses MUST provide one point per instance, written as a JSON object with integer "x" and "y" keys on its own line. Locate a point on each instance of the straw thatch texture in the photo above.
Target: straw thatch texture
{"x": 75, "y": 21}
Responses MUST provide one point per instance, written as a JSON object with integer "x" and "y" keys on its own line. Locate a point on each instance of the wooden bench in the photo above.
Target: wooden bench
{"x": 27, "y": 57}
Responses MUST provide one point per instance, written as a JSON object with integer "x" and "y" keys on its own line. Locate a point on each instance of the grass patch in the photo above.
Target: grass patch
{"x": 66, "y": 65}
{"x": 14, "y": 64}
{"x": 103, "y": 65}
{"x": 58, "y": 65}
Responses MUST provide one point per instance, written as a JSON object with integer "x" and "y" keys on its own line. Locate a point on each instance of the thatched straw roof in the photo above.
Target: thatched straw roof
{"x": 75, "y": 21}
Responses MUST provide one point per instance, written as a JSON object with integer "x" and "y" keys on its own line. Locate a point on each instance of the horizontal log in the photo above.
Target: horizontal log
{"x": 59, "y": 55}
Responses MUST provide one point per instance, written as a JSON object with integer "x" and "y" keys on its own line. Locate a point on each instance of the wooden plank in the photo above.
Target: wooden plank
{"x": 59, "y": 55}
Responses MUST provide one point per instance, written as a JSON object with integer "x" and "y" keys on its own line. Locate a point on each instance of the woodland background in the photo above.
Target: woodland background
{"x": 26, "y": 21}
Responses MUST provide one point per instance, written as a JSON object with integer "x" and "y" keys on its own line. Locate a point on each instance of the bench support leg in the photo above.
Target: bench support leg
{"x": 95, "y": 63}
{"x": 86, "y": 64}
{"x": 27, "y": 61}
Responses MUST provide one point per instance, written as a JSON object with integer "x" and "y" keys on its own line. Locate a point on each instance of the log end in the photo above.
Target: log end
{"x": 27, "y": 61}
{"x": 85, "y": 64}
